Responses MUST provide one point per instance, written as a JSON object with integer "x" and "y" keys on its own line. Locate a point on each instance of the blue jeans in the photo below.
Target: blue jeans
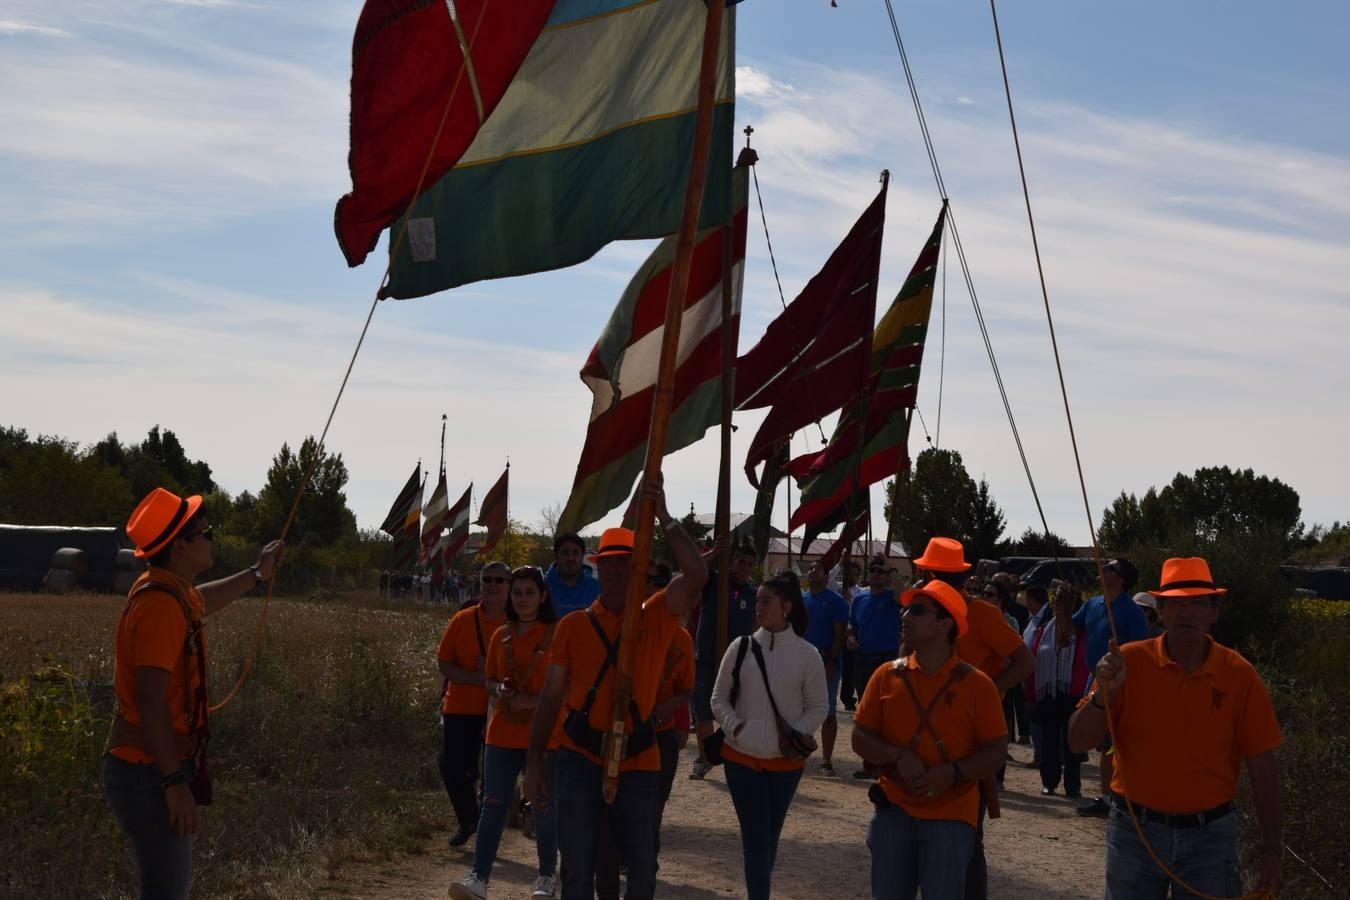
{"x": 136, "y": 794}
{"x": 832, "y": 690}
{"x": 1205, "y": 858}
{"x": 501, "y": 765}
{"x": 761, "y": 800}
{"x": 630, "y": 822}
{"x": 909, "y": 855}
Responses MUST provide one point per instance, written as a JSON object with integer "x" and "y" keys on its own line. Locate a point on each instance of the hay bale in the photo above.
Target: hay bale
{"x": 60, "y": 581}
{"x": 128, "y": 561}
{"x": 71, "y": 559}
{"x": 122, "y": 582}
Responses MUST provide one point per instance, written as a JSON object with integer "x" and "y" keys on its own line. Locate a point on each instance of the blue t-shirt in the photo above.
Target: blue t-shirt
{"x": 740, "y": 618}
{"x": 1091, "y": 619}
{"x": 570, "y": 599}
{"x": 875, "y": 618}
{"x": 823, "y": 609}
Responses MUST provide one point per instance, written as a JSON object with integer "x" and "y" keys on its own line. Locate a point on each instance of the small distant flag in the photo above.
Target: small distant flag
{"x": 408, "y": 498}
{"x": 434, "y": 516}
{"x": 492, "y": 513}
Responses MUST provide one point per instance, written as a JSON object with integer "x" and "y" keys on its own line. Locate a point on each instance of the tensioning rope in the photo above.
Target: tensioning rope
{"x": 961, "y": 259}
{"x": 466, "y": 51}
{"x": 1078, "y": 462}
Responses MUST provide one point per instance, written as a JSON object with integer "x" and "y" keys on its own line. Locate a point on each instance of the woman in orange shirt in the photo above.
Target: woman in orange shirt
{"x": 462, "y": 655}
{"x": 517, "y": 664}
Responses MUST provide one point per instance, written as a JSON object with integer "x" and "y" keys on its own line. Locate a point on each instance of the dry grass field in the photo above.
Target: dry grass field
{"x": 326, "y": 757}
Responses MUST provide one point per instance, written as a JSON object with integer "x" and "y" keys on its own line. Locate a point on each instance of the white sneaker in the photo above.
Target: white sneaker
{"x": 470, "y": 887}
{"x": 544, "y": 886}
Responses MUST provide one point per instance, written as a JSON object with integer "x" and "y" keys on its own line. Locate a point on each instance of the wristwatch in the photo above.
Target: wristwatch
{"x": 257, "y": 575}
{"x": 180, "y": 776}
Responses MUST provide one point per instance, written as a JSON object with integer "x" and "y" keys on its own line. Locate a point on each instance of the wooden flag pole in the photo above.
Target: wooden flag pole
{"x": 631, "y": 634}
{"x": 899, "y": 471}
{"x": 722, "y": 525}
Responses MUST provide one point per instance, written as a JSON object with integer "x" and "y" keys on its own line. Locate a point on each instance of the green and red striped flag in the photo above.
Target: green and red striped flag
{"x": 880, "y": 418}
{"x": 493, "y": 512}
{"x": 589, "y": 143}
{"x": 621, "y": 370}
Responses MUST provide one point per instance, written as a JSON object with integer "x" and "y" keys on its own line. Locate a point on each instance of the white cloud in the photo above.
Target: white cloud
{"x": 11, "y": 27}
{"x": 965, "y": 101}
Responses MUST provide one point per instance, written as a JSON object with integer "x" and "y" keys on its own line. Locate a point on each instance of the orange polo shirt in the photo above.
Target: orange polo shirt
{"x": 577, "y": 648}
{"x": 1180, "y": 738}
{"x": 679, "y": 672}
{"x": 969, "y": 714}
{"x": 512, "y": 730}
{"x": 150, "y": 633}
{"x": 466, "y": 639}
{"x": 989, "y": 642}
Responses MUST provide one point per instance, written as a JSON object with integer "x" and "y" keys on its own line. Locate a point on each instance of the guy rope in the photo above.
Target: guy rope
{"x": 465, "y": 63}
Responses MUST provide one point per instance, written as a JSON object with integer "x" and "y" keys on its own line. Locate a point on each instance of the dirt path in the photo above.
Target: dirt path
{"x": 1038, "y": 850}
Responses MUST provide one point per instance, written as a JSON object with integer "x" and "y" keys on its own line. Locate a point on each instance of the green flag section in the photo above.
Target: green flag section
{"x": 590, "y": 144}
{"x": 872, "y": 435}
{"x": 775, "y": 468}
{"x": 621, "y": 371}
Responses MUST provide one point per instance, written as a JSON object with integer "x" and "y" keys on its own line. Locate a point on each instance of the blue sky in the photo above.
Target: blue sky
{"x": 170, "y": 168}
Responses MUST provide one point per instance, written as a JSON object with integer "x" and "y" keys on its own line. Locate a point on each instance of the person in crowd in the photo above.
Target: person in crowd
{"x": 517, "y": 664}
{"x": 826, "y": 630}
{"x": 570, "y": 582}
{"x": 1119, "y": 577}
{"x": 974, "y": 588}
{"x": 998, "y": 592}
{"x": 462, "y": 657}
{"x": 991, "y": 646}
{"x": 873, "y": 629}
{"x": 1187, "y": 712}
{"x": 1037, "y": 604}
{"x": 154, "y": 764}
{"x": 1056, "y": 686}
{"x": 583, "y": 671}
{"x": 933, "y": 724}
{"x": 846, "y": 585}
{"x": 778, "y": 695}
{"x": 671, "y": 717}
{"x": 1149, "y": 604}
{"x": 740, "y": 620}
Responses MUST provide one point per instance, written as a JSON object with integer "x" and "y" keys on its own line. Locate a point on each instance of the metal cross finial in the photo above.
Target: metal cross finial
{"x": 749, "y": 130}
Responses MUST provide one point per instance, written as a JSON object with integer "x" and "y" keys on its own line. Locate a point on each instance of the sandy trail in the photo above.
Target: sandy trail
{"x": 1038, "y": 850}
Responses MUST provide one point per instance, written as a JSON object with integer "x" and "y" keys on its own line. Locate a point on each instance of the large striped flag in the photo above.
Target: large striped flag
{"x": 457, "y": 527}
{"x": 493, "y": 512}
{"x": 880, "y": 418}
{"x": 621, "y": 370}
{"x": 590, "y": 144}
{"x": 409, "y": 59}
{"x": 813, "y": 357}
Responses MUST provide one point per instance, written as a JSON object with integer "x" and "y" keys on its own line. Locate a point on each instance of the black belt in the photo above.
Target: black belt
{"x": 1173, "y": 820}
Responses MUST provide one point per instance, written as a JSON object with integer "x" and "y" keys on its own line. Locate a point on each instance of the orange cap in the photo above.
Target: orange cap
{"x": 158, "y": 519}
{"x": 1187, "y": 577}
{"x": 943, "y": 555}
{"x": 615, "y": 542}
{"x": 948, "y": 597}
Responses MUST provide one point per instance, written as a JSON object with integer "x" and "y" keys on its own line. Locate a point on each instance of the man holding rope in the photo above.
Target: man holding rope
{"x": 1188, "y": 711}
{"x": 154, "y": 773}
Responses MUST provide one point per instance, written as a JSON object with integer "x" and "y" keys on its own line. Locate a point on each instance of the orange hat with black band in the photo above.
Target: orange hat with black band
{"x": 1187, "y": 577}
{"x": 943, "y": 555}
{"x": 946, "y": 596}
{"x": 158, "y": 518}
{"x": 614, "y": 542}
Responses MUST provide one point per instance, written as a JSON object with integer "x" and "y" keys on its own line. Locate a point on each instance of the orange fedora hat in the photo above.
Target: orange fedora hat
{"x": 1187, "y": 577}
{"x": 943, "y": 555}
{"x": 614, "y": 542}
{"x": 158, "y": 519}
{"x": 945, "y": 595}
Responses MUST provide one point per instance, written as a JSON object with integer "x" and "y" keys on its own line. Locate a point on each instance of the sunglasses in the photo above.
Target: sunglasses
{"x": 990, "y": 593}
{"x": 915, "y": 610}
{"x": 494, "y": 579}
{"x": 205, "y": 532}
{"x": 876, "y": 569}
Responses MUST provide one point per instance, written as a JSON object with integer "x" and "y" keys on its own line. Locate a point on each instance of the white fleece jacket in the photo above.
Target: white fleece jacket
{"x": 797, "y": 676}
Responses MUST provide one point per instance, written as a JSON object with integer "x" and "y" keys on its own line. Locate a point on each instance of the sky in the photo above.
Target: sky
{"x": 169, "y": 169}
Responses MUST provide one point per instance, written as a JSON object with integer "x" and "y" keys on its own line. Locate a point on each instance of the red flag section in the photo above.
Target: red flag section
{"x": 850, "y": 533}
{"x": 408, "y": 60}
{"x": 457, "y": 521}
{"x": 492, "y": 513}
{"x": 814, "y": 358}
